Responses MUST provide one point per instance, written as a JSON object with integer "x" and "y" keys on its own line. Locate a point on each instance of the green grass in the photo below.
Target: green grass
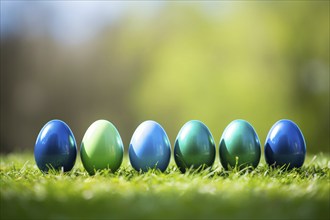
{"x": 26, "y": 193}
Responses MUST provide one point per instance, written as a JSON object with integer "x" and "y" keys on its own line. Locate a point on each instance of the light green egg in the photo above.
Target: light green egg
{"x": 101, "y": 147}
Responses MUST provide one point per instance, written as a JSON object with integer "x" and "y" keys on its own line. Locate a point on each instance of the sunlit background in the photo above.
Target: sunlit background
{"x": 167, "y": 61}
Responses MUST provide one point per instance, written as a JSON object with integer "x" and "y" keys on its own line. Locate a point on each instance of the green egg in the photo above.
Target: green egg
{"x": 194, "y": 146}
{"x": 101, "y": 147}
{"x": 239, "y": 146}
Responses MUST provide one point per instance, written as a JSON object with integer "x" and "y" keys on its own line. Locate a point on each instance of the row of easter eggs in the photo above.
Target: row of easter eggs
{"x": 194, "y": 147}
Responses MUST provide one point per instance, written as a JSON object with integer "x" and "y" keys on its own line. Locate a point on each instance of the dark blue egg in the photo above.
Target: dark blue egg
{"x": 285, "y": 145}
{"x": 55, "y": 147}
{"x": 149, "y": 147}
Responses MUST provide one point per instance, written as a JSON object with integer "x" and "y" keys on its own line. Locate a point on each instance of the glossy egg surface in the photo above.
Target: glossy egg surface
{"x": 149, "y": 147}
{"x": 239, "y": 145}
{"x": 101, "y": 147}
{"x": 194, "y": 146}
{"x": 55, "y": 147}
{"x": 285, "y": 145}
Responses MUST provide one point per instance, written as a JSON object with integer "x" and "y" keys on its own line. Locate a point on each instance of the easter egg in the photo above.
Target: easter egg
{"x": 239, "y": 145}
{"x": 55, "y": 147}
{"x": 285, "y": 145}
{"x": 149, "y": 147}
{"x": 194, "y": 146}
{"x": 101, "y": 147}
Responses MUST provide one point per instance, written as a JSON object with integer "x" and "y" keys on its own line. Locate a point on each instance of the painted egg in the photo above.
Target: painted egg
{"x": 285, "y": 145}
{"x": 194, "y": 146}
{"x": 101, "y": 147}
{"x": 55, "y": 147}
{"x": 239, "y": 145}
{"x": 149, "y": 147}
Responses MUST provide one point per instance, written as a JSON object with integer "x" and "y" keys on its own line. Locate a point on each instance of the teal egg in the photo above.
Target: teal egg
{"x": 194, "y": 146}
{"x": 239, "y": 145}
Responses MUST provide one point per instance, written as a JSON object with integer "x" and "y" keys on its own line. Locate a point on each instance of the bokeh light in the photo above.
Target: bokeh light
{"x": 167, "y": 61}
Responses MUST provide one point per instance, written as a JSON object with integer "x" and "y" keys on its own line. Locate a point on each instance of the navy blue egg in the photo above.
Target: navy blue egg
{"x": 55, "y": 147}
{"x": 149, "y": 147}
{"x": 285, "y": 145}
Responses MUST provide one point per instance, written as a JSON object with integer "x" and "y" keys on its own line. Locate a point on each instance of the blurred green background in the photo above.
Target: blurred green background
{"x": 167, "y": 61}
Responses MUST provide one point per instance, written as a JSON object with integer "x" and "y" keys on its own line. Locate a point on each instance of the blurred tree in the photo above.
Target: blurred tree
{"x": 215, "y": 62}
{"x": 248, "y": 64}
